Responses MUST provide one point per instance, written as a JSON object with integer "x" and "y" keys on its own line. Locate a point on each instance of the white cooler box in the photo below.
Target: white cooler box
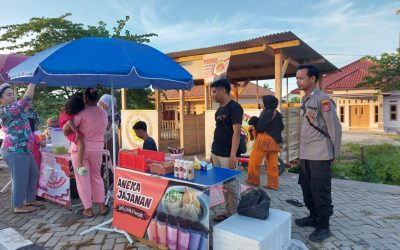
{"x": 242, "y": 233}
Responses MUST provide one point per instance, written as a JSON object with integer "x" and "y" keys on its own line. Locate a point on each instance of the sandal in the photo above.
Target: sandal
{"x": 81, "y": 212}
{"x": 26, "y": 210}
{"x": 220, "y": 218}
{"x": 106, "y": 211}
{"x": 294, "y": 202}
{"x": 35, "y": 204}
{"x": 252, "y": 184}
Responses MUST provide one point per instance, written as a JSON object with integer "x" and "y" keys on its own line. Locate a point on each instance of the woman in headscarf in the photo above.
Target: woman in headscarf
{"x": 269, "y": 129}
{"x": 105, "y": 103}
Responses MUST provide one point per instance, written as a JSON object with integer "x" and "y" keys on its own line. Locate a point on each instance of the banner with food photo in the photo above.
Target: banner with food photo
{"x": 215, "y": 66}
{"x": 54, "y": 179}
{"x": 170, "y": 213}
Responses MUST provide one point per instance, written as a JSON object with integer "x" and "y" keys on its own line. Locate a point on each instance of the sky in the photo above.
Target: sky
{"x": 341, "y": 30}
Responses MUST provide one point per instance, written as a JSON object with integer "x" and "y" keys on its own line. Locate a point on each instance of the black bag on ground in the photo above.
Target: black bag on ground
{"x": 255, "y": 204}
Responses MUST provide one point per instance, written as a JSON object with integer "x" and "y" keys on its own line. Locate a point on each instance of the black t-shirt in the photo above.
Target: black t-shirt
{"x": 150, "y": 144}
{"x": 225, "y": 118}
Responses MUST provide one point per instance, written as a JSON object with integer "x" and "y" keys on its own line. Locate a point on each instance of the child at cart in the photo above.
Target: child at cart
{"x": 37, "y": 143}
{"x": 73, "y": 106}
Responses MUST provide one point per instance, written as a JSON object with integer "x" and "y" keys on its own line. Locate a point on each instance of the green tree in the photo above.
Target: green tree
{"x": 267, "y": 86}
{"x": 384, "y": 74}
{"x": 42, "y": 32}
{"x": 294, "y": 100}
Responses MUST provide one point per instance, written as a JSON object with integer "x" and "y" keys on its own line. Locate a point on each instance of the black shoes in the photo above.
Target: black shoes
{"x": 320, "y": 234}
{"x": 306, "y": 222}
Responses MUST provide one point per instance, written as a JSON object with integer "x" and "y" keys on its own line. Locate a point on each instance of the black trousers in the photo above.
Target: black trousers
{"x": 315, "y": 181}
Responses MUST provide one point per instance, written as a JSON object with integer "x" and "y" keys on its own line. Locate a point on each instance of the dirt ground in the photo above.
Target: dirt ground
{"x": 369, "y": 137}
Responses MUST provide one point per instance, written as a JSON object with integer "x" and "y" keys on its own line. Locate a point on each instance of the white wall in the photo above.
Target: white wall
{"x": 346, "y": 103}
{"x": 393, "y": 99}
{"x": 129, "y": 118}
{"x": 210, "y": 126}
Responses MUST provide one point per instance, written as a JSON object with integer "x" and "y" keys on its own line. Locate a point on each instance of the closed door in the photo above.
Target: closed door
{"x": 359, "y": 116}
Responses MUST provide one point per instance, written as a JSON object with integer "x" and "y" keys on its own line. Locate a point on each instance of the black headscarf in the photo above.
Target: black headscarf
{"x": 270, "y": 120}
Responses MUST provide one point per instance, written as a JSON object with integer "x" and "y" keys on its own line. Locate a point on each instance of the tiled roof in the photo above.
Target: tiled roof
{"x": 347, "y": 77}
{"x": 300, "y": 53}
{"x": 197, "y": 92}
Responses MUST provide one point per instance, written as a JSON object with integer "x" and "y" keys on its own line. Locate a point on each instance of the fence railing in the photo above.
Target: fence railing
{"x": 169, "y": 130}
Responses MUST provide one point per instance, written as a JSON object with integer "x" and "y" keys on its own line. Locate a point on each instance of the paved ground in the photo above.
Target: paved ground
{"x": 369, "y": 137}
{"x": 367, "y": 216}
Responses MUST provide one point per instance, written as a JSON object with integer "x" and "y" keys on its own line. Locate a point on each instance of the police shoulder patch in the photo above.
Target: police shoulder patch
{"x": 326, "y": 105}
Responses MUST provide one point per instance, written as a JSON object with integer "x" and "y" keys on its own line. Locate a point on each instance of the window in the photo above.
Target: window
{"x": 376, "y": 114}
{"x": 393, "y": 112}
{"x": 341, "y": 114}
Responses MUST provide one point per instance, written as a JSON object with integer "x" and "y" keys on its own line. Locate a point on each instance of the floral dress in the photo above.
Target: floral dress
{"x": 15, "y": 124}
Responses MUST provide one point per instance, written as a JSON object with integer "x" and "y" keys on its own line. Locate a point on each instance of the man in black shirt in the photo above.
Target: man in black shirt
{"x": 141, "y": 132}
{"x": 224, "y": 151}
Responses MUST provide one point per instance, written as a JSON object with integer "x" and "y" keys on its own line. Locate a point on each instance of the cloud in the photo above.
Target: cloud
{"x": 189, "y": 34}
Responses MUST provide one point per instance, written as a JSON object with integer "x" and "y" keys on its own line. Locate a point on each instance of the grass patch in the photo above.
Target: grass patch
{"x": 394, "y": 137}
{"x": 392, "y": 217}
{"x": 84, "y": 243}
{"x": 66, "y": 246}
{"x": 366, "y": 212}
{"x": 380, "y": 163}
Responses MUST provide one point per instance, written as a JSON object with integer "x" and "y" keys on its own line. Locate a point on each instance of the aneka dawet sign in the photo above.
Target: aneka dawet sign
{"x": 136, "y": 197}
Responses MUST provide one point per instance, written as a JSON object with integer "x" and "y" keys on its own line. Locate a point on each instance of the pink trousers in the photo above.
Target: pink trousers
{"x": 91, "y": 186}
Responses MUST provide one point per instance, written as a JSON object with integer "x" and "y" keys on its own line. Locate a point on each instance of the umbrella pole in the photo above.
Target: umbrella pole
{"x": 113, "y": 125}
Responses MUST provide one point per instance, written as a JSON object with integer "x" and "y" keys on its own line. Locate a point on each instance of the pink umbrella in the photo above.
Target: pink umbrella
{"x": 7, "y": 62}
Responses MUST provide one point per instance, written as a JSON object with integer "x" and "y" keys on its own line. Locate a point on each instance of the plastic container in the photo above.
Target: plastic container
{"x": 181, "y": 169}
{"x": 162, "y": 229}
{"x": 190, "y": 172}
{"x": 240, "y": 232}
{"x": 152, "y": 230}
{"x": 60, "y": 143}
{"x": 172, "y": 232}
{"x": 183, "y": 235}
{"x": 186, "y": 169}
{"x": 176, "y": 168}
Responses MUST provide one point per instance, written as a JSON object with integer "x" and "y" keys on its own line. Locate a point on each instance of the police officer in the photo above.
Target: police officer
{"x": 320, "y": 139}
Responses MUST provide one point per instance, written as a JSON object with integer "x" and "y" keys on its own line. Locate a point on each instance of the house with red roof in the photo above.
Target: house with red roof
{"x": 361, "y": 107}
{"x": 357, "y": 107}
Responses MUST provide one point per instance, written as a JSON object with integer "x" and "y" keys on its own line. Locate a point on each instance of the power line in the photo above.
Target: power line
{"x": 345, "y": 55}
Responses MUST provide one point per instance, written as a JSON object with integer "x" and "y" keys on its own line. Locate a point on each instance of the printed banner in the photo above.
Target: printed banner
{"x": 215, "y": 66}
{"x": 54, "y": 179}
{"x": 168, "y": 213}
{"x": 136, "y": 197}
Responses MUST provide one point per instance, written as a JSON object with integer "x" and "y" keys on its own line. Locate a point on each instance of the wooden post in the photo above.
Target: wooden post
{"x": 319, "y": 82}
{"x": 235, "y": 91}
{"x": 182, "y": 117}
{"x": 206, "y": 97}
{"x": 210, "y": 99}
{"x": 258, "y": 98}
{"x": 287, "y": 122}
{"x": 159, "y": 114}
{"x": 123, "y": 99}
{"x": 278, "y": 76}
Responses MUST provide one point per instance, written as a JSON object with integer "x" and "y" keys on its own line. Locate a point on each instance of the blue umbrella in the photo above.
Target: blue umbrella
{"x": 110, "y": 62}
